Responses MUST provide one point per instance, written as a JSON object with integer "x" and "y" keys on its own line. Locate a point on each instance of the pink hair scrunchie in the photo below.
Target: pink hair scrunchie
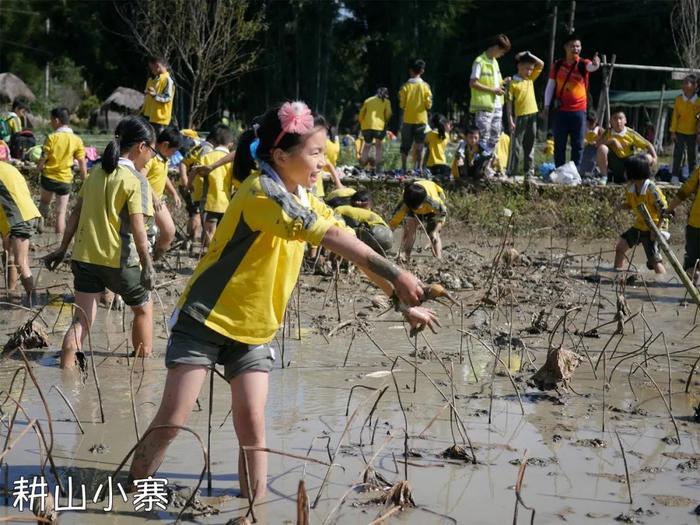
{"x": 295, "y": 117}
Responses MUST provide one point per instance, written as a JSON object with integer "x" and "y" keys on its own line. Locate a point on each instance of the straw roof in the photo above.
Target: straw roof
{"x": 124, "y": 97}
{"x": 13, "y": 87}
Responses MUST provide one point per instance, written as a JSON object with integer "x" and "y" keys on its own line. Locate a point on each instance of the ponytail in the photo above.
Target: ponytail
{"x": 243, "y": 160}
{"x": 438, "y": 123}
{"x": 129, "y": 131}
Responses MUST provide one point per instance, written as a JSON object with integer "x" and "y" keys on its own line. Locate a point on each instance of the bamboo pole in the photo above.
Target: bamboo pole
{"x": 692, "y": 291}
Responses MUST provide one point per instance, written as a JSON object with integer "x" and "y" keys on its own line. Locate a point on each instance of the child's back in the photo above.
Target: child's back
{"x": 218, "y": 184}
{"x": 415, "y": 98}
{"x": 61, "y": 148}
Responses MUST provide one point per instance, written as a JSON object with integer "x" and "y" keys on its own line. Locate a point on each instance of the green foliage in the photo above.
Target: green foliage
{"x": 87, "y": 106}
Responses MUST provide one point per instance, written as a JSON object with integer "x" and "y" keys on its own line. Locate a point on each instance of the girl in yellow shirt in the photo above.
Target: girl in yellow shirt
{"x": 374, "y": 117}
{"x": 436, "y": 141}
{"x": 110, "y": 239}
{"x": 236, "y": 298}
{"x": 156, "y": 171}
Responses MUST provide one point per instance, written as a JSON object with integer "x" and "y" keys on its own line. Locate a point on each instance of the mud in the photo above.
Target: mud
{"x": 555, "y": 293}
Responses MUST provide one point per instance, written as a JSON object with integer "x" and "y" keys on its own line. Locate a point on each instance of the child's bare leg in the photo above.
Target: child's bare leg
{"x": 20, "y": 248}
{"x": 8, "y": 263}
{"x": 248, "y": 399}
{"x": 72, "y": 341}
{"x": 409, "y": 236}
{"x": 364, "y": 156}
{"x": 602, "y": 159}
{"x": 659, "y": 268}
{"x": 209, "y": 231}
{"x": 142, "y": 329}
{"x": 436, "y": 239}
{"x": 61, "y": 206}
{"x": 182, "y": 386}
{"x": 620, "y": 249}
{"x": 44, "y": 202}
{"x": 418, "y": 154}
{"x": 166, "y": 229}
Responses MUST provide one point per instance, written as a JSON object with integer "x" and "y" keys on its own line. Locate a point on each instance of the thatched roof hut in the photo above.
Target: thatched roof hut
{"x": 12, "y": 87}
{"x": 124, "y": 98}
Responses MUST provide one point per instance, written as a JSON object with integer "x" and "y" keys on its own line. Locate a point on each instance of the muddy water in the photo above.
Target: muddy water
{"x": 575, "y": 475}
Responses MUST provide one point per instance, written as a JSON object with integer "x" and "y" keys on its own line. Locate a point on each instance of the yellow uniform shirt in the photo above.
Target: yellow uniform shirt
{"x": 629, "y": 139}
{"x": 194, "y": 157}
{"x": 521, "y": 92}
{"x": 355, "y": 217}
{"x": 241, "y": 286}
{"x": 651, "y": 195}
{"x": 343, "y": 194}
{"x": 685, "y": 115}
{"x": 332, "y": 154}
{"x": 158, "y": 108}
{"x": 436, "y": 148}
{"x": 415, "y": 98}
{"x": 549, "y": 148}
{"x": 375, "y": 113}
{"x": 16, "y": 204}
{"x": 157, "y": 173}
{"x": 218, "y": 184}
{"x": 692, "y": 186}
{"x": 591, "y": 137}
{"x": 500, "y": 161}
{"x": 103, "y": 235}
{"x": 14, "y": 122}
{"x": 60, "y": 149}
{"x": 434, "y": 204}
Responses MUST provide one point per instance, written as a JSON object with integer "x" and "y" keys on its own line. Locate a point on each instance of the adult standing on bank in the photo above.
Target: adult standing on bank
{"x": 159, "y": 95}
{"x": 567, "y": 95}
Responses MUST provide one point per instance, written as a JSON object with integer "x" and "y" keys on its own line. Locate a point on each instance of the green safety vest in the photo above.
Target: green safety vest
{"x": 481, "y": 100}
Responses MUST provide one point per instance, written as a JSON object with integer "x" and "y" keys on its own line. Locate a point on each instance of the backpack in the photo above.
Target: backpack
{"x": 20, "y": 142}
{"x": 5, "y": 130}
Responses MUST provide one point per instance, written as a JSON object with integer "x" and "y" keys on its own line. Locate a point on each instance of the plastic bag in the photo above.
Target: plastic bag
{"x": 566, "y": 174}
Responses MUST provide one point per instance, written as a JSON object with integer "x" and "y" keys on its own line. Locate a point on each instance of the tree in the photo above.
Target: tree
{"x": 685, "y": 28}
{"x": 208, "y": 42}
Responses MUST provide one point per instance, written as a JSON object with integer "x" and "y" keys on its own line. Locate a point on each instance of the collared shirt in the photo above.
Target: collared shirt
{"x": 649, "y": 194}
{"x": 60, "y": 149}
{"x": 434, "y": 204}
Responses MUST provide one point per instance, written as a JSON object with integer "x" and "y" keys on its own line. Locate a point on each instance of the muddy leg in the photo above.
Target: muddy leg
{"x": 248, "y": 398}
{"x": 182, "y": 386}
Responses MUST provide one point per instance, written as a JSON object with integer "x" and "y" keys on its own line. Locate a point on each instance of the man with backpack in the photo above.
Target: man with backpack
{"x": 567, "y": 95}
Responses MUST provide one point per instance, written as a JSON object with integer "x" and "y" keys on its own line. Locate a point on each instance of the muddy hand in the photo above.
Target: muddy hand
{"x": 53, "y": 259}
{"x": 419, "y": 318}
{"x": 408, "y": 289}
{"x": 437, "y": 291}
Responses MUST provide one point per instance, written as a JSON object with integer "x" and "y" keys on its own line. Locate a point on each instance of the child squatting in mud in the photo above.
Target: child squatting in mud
{"x": 235, "y": 301}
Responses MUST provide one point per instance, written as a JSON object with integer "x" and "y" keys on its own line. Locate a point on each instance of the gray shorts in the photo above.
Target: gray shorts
{"x": 193, "y": 343}
{"x": 633, "y": 237}
{"x": 410, "y": 134}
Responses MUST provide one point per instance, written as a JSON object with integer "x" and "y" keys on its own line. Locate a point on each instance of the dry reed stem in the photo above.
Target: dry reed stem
{"x": 70, "y": 407}
{"x": 627, "y": 472}
{"x": 668, "y": 408}
{"x": 10, "y": 446}
{"x": 518, "y": 491}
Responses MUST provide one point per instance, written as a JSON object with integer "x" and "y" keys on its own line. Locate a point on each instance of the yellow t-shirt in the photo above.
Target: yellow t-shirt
{"x": 343, "y": 194}
{"x": 434, "y": 204}
{"x": 103, "y": 235}
{"x": 16, "y": 204}
{"x": 549, "y": 148}
{"x": 355, "y": 217}
{"x": 591, "y": 137}
{"x": 241, "y": 286}
{"x": 500, "y": 161}
{"x": 219, "y": 183}
{"x": 332, "y": 154}
{"x": 415, "y": 98}
{"x": 522, "y": 93}
{"x": 194, "y": 157}
{"x": 692, "y": 186}
{"x": 629, "y": 139}
{"x": 651, "y": 195}
{"x": 685, "y": 115}
{"x": 157, "y": 173}
{"x": 375, "y": 113}
{"x": 158, "y": 108}
{"x": 436, "y": 148}
{"x": 60, "y": 149}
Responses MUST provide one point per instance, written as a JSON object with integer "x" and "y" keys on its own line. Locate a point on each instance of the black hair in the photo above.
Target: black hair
{"x": 130, "y": 131}
{"x": 61, "y": 114}
{"x": 220, "y": 136}
{"x": 414, "y": 195}
{"x": 525, "y": 58}
{"x": 360, "y": 196}
{"x": 268, "y": 131}
{"x": 500, "y": 41}
{"x": 591, "y": 116}
{"x": 691, "y": 78}
{"x": 571, "y": 37}
{"x": 615, "y": 111}
{"x": 472, "y": 130}
{"x": 417, "y": 65}
{"x": 550, "y": 135}
{"x": 171, "y": 135}
{"x": 383, "y": 93}
{"x": 638, "y": 167}
{"x": 438, "y": 122}
{"x": 20, "y": 103}
{"x": 157, "y": 59}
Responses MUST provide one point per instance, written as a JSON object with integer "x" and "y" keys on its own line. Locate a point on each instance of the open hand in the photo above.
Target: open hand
{"x": 419, "y": 318}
